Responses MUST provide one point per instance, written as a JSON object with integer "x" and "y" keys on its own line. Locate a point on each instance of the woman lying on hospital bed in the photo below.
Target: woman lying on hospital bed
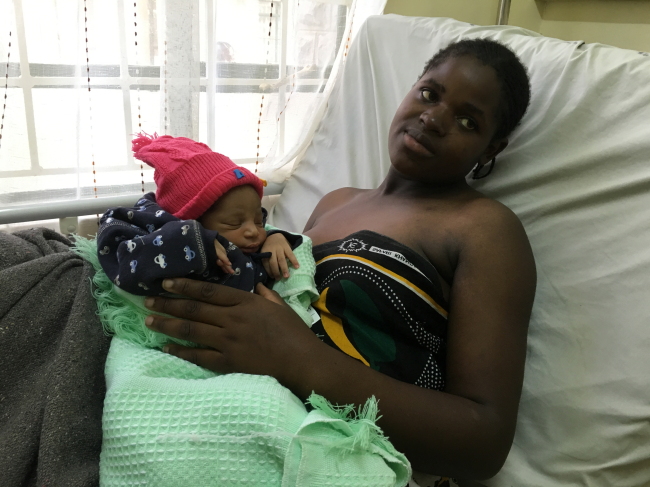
{"x": 425, "y": 284}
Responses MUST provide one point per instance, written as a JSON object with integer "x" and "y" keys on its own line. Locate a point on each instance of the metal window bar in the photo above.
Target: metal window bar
{"x": 503, "y": 12}
{"x": 148, "y": 78}
{"x": 26, "y": 83}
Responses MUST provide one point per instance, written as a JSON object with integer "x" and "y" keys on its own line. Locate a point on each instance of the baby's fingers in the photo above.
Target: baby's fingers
{"x": 267, "y": 267}
{"x": 292, "y": 258}
{"x": 274, "y": 269}
{"x": 222, "y": 258}
{"x": 269, "y": 294}
{"x": 227, "y": 268}
{"x": 282, "y": 264}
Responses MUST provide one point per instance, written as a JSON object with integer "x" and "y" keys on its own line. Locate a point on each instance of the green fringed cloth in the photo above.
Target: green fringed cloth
{"x": 122, "y": 314}
{"x": 168, "y": 422}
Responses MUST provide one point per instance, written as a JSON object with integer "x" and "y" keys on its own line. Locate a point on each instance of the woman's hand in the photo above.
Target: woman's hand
{"x": 244, "y": 332}
{"x": 276, "y": 266}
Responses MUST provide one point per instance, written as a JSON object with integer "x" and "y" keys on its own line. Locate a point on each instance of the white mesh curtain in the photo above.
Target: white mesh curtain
{"x": 248, "y": 77}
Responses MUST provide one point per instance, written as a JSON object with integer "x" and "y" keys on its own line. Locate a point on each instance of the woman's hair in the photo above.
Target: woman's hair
{"x": 511, "y": 73}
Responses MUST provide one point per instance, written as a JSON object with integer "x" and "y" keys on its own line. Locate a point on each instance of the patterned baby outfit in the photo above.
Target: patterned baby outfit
{"x": 139, "y": 247}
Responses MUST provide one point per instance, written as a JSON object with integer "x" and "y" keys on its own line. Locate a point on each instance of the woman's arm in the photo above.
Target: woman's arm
{"x": 465, "y": 431}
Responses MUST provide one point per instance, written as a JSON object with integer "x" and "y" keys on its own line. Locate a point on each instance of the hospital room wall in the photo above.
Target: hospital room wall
{"x": 621, "y": 23}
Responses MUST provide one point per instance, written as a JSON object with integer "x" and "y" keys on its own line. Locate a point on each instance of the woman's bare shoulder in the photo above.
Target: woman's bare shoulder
{"x": 488, "y": 216}
{"x": 332, "y": 200}
{"x": 339, "y": 196}
{"x": 489, "y": 231}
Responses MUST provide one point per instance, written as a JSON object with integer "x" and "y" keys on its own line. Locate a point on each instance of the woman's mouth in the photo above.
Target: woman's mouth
{"x": 418, "y": 144}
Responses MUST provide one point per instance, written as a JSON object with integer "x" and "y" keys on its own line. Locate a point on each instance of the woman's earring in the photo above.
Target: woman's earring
{"x": 477, "y": 169}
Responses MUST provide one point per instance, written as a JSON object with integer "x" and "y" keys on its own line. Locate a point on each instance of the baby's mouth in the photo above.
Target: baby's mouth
{"x": 250, "y": 248}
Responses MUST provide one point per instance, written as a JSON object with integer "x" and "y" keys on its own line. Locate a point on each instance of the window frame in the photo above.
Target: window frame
{"x": 28, "y": 76}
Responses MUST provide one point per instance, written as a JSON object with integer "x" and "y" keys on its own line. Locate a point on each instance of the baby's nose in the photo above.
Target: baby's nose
{"x": 251, "y": 230}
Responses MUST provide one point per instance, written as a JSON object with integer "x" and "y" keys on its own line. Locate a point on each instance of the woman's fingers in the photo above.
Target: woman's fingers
{"x": 203, "y": 357}
{"x": 208, "y": 303}
{"x": 205, "y": 291}
{"x": 247, "y": 333}
{"x": 188, "y": 330}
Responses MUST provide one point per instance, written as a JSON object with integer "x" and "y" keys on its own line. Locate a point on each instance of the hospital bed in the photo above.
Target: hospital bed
{"x": 577, "y": 173}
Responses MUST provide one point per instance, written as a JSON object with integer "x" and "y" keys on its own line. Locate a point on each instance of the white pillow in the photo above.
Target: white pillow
{"x": 577, "y": 173}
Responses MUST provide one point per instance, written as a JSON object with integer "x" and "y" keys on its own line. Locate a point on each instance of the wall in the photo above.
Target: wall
{"x": 622, "y": 23}
{"x": 480, "y": 12}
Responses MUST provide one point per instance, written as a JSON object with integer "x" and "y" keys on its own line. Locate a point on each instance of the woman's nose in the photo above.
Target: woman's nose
{"x": 435, "y": 119}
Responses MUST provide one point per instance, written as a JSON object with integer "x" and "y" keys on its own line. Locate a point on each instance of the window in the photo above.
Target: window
{"x": 82, "y": 76}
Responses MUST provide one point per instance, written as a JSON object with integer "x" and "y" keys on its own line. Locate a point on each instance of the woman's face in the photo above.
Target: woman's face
{"x": 445, "y": 124}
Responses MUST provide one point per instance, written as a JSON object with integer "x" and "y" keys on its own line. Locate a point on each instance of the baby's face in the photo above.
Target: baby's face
{"x": 237, "y": 216}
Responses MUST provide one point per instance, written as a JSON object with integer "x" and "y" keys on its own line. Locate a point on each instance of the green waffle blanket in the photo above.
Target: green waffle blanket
{"x": 167, "y": 422}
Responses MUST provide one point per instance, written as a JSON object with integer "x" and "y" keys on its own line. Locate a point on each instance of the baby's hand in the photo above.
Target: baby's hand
{"x": 276, "y": 266}
{"x": 269, "y": 294}
{"x": 222, "y": 258}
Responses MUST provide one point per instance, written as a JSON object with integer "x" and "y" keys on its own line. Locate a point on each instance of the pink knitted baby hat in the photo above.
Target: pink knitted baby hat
{"x": 189, "y": 176}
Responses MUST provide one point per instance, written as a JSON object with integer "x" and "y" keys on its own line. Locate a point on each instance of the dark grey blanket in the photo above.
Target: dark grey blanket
{"x": 52, "y": 354}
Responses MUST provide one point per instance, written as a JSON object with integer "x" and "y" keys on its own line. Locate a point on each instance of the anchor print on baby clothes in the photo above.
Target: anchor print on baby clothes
{"x": 160, "y": 260}
{"x": 158, "y": 241}
{"x": 189, "y": 253}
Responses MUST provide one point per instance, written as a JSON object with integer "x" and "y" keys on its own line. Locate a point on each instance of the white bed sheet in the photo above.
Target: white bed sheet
{"x": 577, "y": 173}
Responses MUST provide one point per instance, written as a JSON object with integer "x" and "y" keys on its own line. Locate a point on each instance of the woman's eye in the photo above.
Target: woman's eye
{"x": 468, "y": 123}
{"x": 428, "y": 95}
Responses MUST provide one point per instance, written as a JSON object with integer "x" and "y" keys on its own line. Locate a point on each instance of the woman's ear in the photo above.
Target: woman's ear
{"x": 492, "y": 150}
